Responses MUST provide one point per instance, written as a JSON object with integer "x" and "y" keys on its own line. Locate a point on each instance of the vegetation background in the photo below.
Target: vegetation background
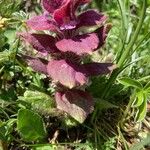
{"x": 121, "y": 119}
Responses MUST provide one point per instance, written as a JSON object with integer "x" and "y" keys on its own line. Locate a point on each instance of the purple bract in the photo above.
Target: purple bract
{"x": 68, "y": 47}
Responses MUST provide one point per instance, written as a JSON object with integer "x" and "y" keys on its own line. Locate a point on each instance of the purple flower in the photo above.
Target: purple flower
{"x": 67, "y": 74}
{"x": 61, "y": 15}
{"x": 78, "y": 104}
{"x": 68, "y": 48}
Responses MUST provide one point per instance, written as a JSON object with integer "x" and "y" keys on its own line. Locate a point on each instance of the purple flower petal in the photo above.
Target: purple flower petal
{"x": 78, "y": 104}
{"x": 42, "y": 23}
{"x": 66, "y": 73}
{"x": 82, "y": 44}
{"x": 52, "y": 5}
{"x": 94, "y": 69}
{"x": 37, "y": 64}
{"x": 43, "y": 43}
{"x": 91, "y": 18}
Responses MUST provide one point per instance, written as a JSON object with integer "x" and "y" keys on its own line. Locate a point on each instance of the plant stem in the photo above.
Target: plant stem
{"x": 124, "y": 56}
{"x": 110, "y": 82}
{"x": 128, "y": 108}
{"x": 135, "y": 36}
{"x": 147, "y": 36}
{"x": 144, "y": 78}
{"x": 124, "y": 24}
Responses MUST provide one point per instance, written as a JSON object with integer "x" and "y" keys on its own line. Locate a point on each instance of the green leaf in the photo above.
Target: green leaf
{"x": 126, "y": 53}
{"x": 8, "y": 95}
{"x": 30, "y": 125}
{"x": 4, "y": 56}
{"x": 39, "y": 101}
{"x": 11, "y": 35}
{"x": 139, "y": 99}
{"x": 102, "y": 104}
{"x": 5, "y": 129}
{"x": 97, "y": 86}
{"x": 130, "y": 82}
{"x": 3, "y": 40}
{"x": 7, "y": 7}
{"x": 147, "y": 86}
{"x": 46, "y": 147}
{"x": 142, "y": 111}
{"x": 84, "y": 147}
{"x": 144, "y": 142}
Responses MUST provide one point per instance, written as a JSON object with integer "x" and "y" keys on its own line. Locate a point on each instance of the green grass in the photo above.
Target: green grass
{"x": 120, "y": 117}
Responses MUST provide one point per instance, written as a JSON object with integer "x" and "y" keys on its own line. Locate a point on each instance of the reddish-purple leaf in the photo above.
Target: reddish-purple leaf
{"x": 102, "y": 33}
{"x": 75, "y": 4}
{"x": 43, "y": 43}
{"x": 91, "y": 18}
{"x": 78, "y": 3}
{"x": 94, "y": 69}
{"x": 64, "y": 16}
{"x": 78, "y": 104}
{"x": 52, "y": 5}
{"x": 66, "y": 73}
{"x": 82, "y": 44}
{"x": 37, "y": 64}
{"x": 42, "y": 23}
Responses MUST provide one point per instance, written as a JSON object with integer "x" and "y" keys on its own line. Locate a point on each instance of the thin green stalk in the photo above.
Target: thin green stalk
{"x": 55, "y": 144}
{"x": 110, "y": 82}
{"x": 126, "y": 52}
{"x": 123, "y": 139}
{"x": 135, "y": 36}
{"x": 147, "y": 36}
{"x": 123, "y": 15}
{"x": 146, "y": 57}
{"x": 14, "y": 58}
{"x": 127, "y": 109}
{"x": 7, "y": 116}
{"x": 124, "y": 26}
{"x": 144, "y": 78}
